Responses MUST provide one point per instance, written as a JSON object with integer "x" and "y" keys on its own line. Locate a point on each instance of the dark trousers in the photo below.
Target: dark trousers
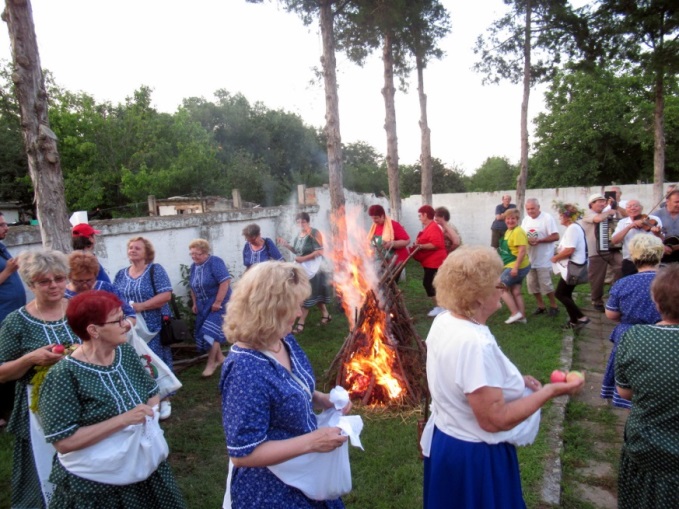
{"x": 628, "y": 268}
{"x": 564, "y": 294}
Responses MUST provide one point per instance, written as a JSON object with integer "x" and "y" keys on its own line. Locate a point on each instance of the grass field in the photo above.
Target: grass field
{"x": 388, "y": 474}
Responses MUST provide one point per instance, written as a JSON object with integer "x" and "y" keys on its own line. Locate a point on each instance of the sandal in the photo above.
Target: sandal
{"x": 325, "y": 320}
{"x": 298, "y": 329}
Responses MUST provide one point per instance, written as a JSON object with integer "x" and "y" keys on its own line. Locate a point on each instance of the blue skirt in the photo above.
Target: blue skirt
{"x": 471, "y": 475}
{"x": 608, "y": 390}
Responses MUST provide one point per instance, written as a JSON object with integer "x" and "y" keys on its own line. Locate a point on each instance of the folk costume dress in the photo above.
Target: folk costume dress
{"x": 75, "y": 394}
{"x": 128, "y": 310}
{"x": 318, "y": 279}
{"x": 631, "y": 297}
{"x": 140, "y": 289}
{"x": 205, "y": 280}
{"x": 262, "y": 401}
{"x": 267, "y": 252}
{"x": 649, "y": 465}
{"x": 22, "y": 333}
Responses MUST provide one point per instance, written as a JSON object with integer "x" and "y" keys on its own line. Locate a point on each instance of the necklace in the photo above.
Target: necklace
{"x": 473, "y": 320}
{"x": 37, "y": 310}
{"x": 82, "y": 348}
{"x": 468, "y": 318}
{"x": 280, "y": 347}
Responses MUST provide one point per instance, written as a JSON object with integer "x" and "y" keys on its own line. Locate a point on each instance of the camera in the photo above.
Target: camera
{"x": 611, "y": 195}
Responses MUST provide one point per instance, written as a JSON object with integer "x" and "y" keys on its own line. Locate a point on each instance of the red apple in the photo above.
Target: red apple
{"x": 574, "y": 375}
{"x": 58, "y": 349}
{"x": 557, "y": 376}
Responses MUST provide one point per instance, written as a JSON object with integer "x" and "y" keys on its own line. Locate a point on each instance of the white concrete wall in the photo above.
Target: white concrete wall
{"x": 171, "y": 235}
{"x": 472, "y": 214}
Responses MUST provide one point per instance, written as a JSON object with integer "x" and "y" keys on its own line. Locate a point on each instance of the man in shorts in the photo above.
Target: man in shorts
{"x": 542, "y": 233}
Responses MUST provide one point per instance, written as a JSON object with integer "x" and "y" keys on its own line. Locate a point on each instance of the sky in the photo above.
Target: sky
{"x": 108, "y": 49}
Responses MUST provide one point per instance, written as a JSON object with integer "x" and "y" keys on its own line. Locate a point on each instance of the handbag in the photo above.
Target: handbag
{"x": 173, "y": 329}
{"x": 576, "y": 273}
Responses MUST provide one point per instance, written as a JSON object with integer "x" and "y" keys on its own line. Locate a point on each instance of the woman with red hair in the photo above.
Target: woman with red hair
{"x": 432, "y": 252}
{"x": 387, "y": 236}
{"x": 91, "y": 404}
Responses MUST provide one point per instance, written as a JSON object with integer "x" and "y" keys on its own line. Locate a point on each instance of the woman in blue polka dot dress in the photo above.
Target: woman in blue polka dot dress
{"x": 630, "y": 304}
{"x": 646, "y": 373}
{"x": 210, "y": 291}
{"x": 268, "y": 391}
{"x": 149, "y": 297}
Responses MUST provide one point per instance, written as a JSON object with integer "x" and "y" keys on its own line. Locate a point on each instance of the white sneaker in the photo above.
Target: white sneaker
{"x": 514, "y": 318}
{"x": 165, "y": 410}
{"x": 436, "y": 311}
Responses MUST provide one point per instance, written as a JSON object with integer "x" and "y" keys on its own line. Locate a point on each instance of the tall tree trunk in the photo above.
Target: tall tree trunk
{"x": 332, "y": 123}
{"x": 523, "y": 172}
{"x": 40, "y": 142}
{"x": 390, "y": 127}
{"x": 659, "y": 135}
{"x": 425, "y": 141}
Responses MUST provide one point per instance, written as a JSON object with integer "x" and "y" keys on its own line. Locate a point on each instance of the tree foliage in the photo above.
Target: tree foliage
{"x": 116, "y": 155}
{"x": 556, "y": 31}
{"x": 496, "y": 173}
{"x": 645, "y": 33}
{"x": 598, "y": 129}
{"x": 444, "y": 180}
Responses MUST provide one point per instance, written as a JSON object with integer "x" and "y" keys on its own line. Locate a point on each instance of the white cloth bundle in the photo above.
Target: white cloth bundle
{"x": 128, "y": 456}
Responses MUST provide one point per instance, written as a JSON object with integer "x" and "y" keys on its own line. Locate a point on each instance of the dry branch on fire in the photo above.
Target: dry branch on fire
{"x": 382, "y": 360}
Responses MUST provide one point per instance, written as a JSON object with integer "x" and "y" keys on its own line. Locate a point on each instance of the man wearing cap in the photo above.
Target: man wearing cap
{"x": 12, "y": 297}
{"x": 83, "y": 240}
{"x": 599, "y": 261}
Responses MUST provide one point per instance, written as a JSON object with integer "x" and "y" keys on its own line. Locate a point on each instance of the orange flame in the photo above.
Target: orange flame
{"x": 355, "y": 275}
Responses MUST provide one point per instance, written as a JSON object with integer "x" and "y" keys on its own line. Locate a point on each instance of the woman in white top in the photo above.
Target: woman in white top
{"x": 571, "y": 247}
{"x": 481, "y": 404}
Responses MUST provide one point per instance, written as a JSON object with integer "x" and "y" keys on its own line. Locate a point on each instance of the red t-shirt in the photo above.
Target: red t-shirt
{"x": 431, "y": 258}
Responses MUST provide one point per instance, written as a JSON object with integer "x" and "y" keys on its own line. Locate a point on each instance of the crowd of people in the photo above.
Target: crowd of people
{"x": 69, "y": 418}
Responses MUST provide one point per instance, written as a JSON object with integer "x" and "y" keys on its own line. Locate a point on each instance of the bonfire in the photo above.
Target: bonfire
{"x": 382, "y": 360}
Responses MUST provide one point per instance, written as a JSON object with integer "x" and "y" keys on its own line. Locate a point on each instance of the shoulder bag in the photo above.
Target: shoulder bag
{"x": 173, "y": 329}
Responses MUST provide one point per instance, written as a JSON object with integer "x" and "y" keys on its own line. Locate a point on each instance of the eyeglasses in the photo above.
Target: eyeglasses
{"x": 44, "y": 283}
{"x": 120, "y": 321}
{"x": 501, "y": 286}
{"x": 79, "y": 282}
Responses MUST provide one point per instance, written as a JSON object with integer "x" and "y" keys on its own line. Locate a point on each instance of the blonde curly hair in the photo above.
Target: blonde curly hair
{"x": 469, "y": 274}
{"x": 265, "y": 303}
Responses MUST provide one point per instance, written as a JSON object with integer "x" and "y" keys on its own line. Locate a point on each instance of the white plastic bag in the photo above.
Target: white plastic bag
{"x": 128, "y": 456}
{"x": 43, "y": 452}
{"x": 141, "y": 329}
{"x": 163, "y": 375}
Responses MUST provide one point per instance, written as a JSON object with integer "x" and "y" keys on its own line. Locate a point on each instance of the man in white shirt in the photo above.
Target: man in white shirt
{"x": 631, "y": 226}
{"x": 542, "y": 233}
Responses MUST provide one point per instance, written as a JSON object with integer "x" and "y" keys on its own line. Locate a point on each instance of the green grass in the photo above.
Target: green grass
{"x": 6, "y": 446}
{"x": 388, "y": 474}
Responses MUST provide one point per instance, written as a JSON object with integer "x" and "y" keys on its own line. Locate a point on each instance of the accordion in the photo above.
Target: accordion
{"x": 604, "y": 233}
